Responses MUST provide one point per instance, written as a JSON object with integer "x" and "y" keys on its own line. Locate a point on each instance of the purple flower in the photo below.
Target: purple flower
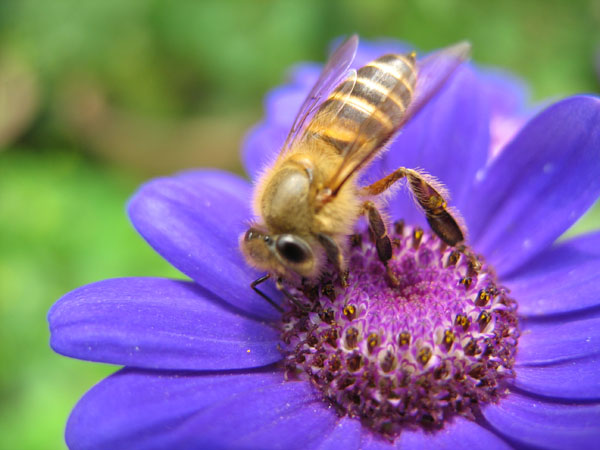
{"x": 209, "y": 364}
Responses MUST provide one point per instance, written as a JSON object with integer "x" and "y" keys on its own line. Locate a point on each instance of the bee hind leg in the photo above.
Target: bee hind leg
{"x": 383, "y": 244}
{"x": 431, "y": 196}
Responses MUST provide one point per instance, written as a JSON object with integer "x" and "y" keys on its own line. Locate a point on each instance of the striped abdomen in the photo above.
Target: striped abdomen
{"x": 368, "y": 107}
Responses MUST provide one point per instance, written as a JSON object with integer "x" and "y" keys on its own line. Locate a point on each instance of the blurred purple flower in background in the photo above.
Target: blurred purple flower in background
{"x": 203, "y": 367}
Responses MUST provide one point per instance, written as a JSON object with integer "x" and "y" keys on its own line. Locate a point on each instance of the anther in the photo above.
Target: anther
{"x": 345, "y": 382}
{"x": 312, "y": 340}
{"x": 473, "y": 267}
{"x": 483, "y": 320}
{"x": 350, "y": 312}
{"x": 399, "y": 227}
{"x": 372, "y": 341}
{"x": 404, "y": 339}
{"x": 356, "y": 240}
{"x": 448, "y": 340}
{"x": 351, "y": 337}
{"x": 417, "y": 236}
{"x": 453, "y": 258}
{"x": 331, "y": 337}
{"x": 466, "y": 282}
{"x": 483, "y": 297}
{"x": 477, "y": 371}
{"x": 472, "y": 349}
{"x": 327, "y": 316}
{"x": 335, "y": 363}
{"x": 319, "y": 360}
{"x": 441, "y": 371}
{"x": 311, "y": 292}
{"x": 354, "y": 362}
{"x": 462, "y": 321}
{"x": 424, "y": 355}
{"x": 328, "y": 290}
{"x": 385, "y": 387}
{"x": 389, "y": 362}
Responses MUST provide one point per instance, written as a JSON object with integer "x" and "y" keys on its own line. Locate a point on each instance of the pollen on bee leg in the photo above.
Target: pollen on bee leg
{"x": 371, "y": 347}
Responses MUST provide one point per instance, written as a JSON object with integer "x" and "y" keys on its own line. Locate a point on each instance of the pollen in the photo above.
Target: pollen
{"x": 441, "y": 343}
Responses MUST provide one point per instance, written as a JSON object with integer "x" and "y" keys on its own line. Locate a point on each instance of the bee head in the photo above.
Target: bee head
{"x": 278, "y": 253}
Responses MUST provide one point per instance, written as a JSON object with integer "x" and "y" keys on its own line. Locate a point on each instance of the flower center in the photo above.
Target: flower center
{"x": 439, "y": 343}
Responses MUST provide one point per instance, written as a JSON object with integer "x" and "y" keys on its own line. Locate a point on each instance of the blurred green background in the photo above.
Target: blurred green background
{"x": 96, "y": 97}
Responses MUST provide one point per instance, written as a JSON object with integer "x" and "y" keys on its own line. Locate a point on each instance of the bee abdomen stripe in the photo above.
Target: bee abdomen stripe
{"x": 377, "y": 94}
{"x": 368, "y": 106}
{"x": 389, "y": 75}
{"x": 355, "y": 109}
{"x": 395, "y": 59}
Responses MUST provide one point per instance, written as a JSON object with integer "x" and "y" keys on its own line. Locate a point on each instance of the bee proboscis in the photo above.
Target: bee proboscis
{"x": 308, "y": 202}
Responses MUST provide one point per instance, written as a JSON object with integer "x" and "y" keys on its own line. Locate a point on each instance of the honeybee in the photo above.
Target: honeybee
{"x": 309, "y": 200}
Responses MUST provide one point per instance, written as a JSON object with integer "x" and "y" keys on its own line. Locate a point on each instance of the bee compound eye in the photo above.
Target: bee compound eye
{"x": 250, "y": 234}
{"x": 293, "y": 248}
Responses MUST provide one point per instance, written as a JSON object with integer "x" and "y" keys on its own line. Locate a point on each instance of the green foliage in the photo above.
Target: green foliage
{"x": 63, "y": 225}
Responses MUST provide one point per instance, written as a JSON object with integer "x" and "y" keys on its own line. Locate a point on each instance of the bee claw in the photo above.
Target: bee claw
{"x": 344, "y": 278}
{"x": 391, "y": 277}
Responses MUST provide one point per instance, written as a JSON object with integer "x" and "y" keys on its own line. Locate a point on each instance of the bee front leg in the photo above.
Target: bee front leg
{"x": 291, "y": 297}
{"x": 383, "y": 244}
{"x": 254, "y": 286}
{"x": 334, "y": 255}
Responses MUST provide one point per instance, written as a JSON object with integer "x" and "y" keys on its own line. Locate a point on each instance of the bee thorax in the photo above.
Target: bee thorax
{"x": 284, "y": 204}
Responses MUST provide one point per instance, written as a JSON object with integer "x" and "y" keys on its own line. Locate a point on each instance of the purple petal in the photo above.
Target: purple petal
{"x": 551, "y": 342}
{"x": 346, "y": 435}
{"x": 449, "y": 139}
{"x": 460, "y": 434}
{"x": 540, "y": 184}
{"x": 542, "y": 424}
{"x": 194, "y": 221}
{"x": 508, "y": 96}
{"x": 507, "y": 93}
{"x": 158, "y": 323}
{"x": 136, "y": 409}
{"x": 575, "y": 379}
{"x": 561, "y": 279}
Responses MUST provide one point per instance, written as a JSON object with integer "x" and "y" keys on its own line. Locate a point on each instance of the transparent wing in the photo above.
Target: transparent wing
{"x": 335, "y": 70}
{"x": 432, "y": 73}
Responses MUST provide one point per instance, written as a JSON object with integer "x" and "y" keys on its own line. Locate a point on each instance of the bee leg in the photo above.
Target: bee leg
{"x": 383, "y": 244}
{"x": 291, "y": 297}
{"x": 262, "y": 294}
{"x": 431, "y": 197}
{"x": 334, "y": 255}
